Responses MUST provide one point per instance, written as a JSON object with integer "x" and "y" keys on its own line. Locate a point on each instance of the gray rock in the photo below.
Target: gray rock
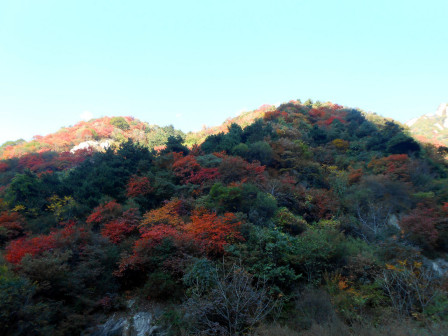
{"x": 137, "y": 324}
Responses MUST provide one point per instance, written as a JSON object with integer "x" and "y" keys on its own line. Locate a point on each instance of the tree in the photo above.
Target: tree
{"x": 260, "y": 151}
{"x": 410, "y": 286}
{"x": 117, "y": 229}
{"x": 138, "y": 186}
{"x": 212, "y": 232}
{"x": 421, "y": 225}
{"x": 169, "y": 214}
{"x": 175, "y": 144}
{"x": 119, "y": 122}
{"x": 184, "y": 167}
{"x": 235, "y": 169}
{"x": 19, "y": 313}
{"x": 26, "y": 190}
{"x": 236, "y": 303}
{"x": 104, "y": 213}
{"x": 11, "y": 226}
{"x": 19, "y": 248}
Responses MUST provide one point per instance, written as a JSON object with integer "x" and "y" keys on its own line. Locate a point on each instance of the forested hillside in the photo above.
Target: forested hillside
{"x": 306, "y": 219}
{"x": 96, "y": 134}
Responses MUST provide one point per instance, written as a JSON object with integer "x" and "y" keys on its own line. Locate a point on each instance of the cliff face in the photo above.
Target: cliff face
{"x": 432, "y": 127}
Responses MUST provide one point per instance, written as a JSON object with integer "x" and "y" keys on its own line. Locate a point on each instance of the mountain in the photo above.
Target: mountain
{"x": 317, "y": 216}
{"x": 432, "y": 127}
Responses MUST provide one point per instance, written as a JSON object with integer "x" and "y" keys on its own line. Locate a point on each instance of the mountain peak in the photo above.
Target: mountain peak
{"x": 431, "y": 127}
{"x": 440, "y": 112}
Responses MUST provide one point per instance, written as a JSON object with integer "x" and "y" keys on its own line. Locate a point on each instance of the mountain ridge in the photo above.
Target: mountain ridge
{"x": 152, "y": 136}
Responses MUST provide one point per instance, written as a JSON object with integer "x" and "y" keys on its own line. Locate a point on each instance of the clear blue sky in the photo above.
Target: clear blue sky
{"x": 190, "y": 63}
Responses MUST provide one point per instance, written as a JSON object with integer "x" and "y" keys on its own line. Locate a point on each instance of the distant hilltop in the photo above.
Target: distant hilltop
{"x": 431, "y": 127}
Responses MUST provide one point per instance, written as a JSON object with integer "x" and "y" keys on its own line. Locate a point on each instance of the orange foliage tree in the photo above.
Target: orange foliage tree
{"x": 168, "y": 214}
{"x": 213, "y": 232}
{"x": 206, "y": 232}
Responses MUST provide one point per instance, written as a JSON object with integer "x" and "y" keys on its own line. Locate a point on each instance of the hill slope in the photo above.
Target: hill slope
{"x": 326, "y": 215}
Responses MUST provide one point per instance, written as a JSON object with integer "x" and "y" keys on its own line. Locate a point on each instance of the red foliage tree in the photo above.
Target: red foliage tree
{"x": 395, "y": 166}
{"x": 421, "y": 225}
{"x": 330, "y": 120}
{"x": 33, "y": 162}
{"x": 355, "y": 176}
{"x": 105, "y": 213}
{"x": 3, "y": 167}
{"x": 206, "y": 232}
{"x": 185, "y": 167}
{"x": 189, "y": 170}
{"x": 19, "y": 248}
{"x": 236, "y": 169}
{"x": 142, "y": 249}
{"x": 11, "y": 224}
{"x": 68, "y": 235}
{"x": 117, "y": 229}
{"x": 138, "y": 186}
{"x": 204, "y": 175}
{"x": 272, "y": 115}
{"x": 318, "y": 113}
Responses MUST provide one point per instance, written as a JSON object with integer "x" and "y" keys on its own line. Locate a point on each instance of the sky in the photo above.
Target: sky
{"x": 194, "y": 63}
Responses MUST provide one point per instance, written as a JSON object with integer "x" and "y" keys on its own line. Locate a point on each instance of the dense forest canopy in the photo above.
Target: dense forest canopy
{"x": 331, "y": 218}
